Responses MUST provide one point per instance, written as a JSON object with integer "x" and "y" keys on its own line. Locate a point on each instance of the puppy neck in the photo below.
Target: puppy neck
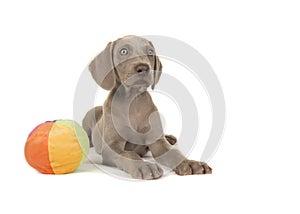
{"x": 134, "y": 90}
{"x": 124, "y": 91}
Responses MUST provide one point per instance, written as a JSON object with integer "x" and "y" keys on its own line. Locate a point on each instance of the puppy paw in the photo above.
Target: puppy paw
{"x": 147, "y": 171}
{"x": 190, "y": 167}
{"x": 171, "y": 139}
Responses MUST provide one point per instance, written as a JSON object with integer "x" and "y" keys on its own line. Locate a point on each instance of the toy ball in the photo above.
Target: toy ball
{"x": 56, "y": 147}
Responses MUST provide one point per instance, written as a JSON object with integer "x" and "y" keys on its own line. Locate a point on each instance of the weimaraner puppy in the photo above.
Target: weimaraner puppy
{"x": 128, "y": 125}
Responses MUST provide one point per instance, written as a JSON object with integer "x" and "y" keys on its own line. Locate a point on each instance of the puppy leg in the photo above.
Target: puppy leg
{"x": 142, "y": 150}
{"x": 90, "y": 120}
{"x": 130, "y": 162}
{"x": 166, "y": 155}
{"x": 139, "y": 149}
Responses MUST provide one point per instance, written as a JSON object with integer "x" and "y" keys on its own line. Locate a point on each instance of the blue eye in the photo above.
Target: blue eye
{"x": 150, "y": 52}
{"x": 124, "y": 51}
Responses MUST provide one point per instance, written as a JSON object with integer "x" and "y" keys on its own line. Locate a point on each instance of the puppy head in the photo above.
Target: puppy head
{"x": 130, "y": 61}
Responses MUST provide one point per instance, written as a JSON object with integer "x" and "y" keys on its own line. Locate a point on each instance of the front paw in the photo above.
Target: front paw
{"x": 171, "y": 139}
{"x": 147, "y": 171}
{"x": 190, "y": 167}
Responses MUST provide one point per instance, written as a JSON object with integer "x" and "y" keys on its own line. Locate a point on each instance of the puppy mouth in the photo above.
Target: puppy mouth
{"x": 136, "y": 83}
{"x": 141, "y": 82}
{"x": 138, "y": 79}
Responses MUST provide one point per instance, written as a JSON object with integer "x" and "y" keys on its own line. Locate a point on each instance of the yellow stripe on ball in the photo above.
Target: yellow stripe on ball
{"x": 65, "y": 152}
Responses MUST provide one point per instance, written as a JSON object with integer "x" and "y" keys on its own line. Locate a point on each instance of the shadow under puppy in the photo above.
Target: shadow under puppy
{"x": 128, "y": 125}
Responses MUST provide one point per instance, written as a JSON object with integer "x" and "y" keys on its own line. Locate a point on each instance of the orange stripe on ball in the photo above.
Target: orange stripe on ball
{"x": 36, "y": 148}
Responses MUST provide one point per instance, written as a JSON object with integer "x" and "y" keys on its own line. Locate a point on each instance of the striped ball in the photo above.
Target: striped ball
{"x": 56, "y": 147}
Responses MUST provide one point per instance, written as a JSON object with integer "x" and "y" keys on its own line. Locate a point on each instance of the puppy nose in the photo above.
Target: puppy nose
{"x": 142, "y": 68}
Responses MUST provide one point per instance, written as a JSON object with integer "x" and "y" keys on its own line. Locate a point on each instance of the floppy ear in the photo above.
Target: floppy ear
{"x": 157, "y": 71}
{"x": 102, "y": 68}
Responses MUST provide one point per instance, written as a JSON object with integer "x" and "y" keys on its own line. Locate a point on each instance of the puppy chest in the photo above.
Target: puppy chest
{"x": 139, "y": 119}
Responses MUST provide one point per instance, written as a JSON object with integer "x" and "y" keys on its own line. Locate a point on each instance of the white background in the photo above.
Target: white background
{"x": 254, "y": 48}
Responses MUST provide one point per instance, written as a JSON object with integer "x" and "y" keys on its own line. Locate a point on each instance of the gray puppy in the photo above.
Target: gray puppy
{"x": 128, "y": 125}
